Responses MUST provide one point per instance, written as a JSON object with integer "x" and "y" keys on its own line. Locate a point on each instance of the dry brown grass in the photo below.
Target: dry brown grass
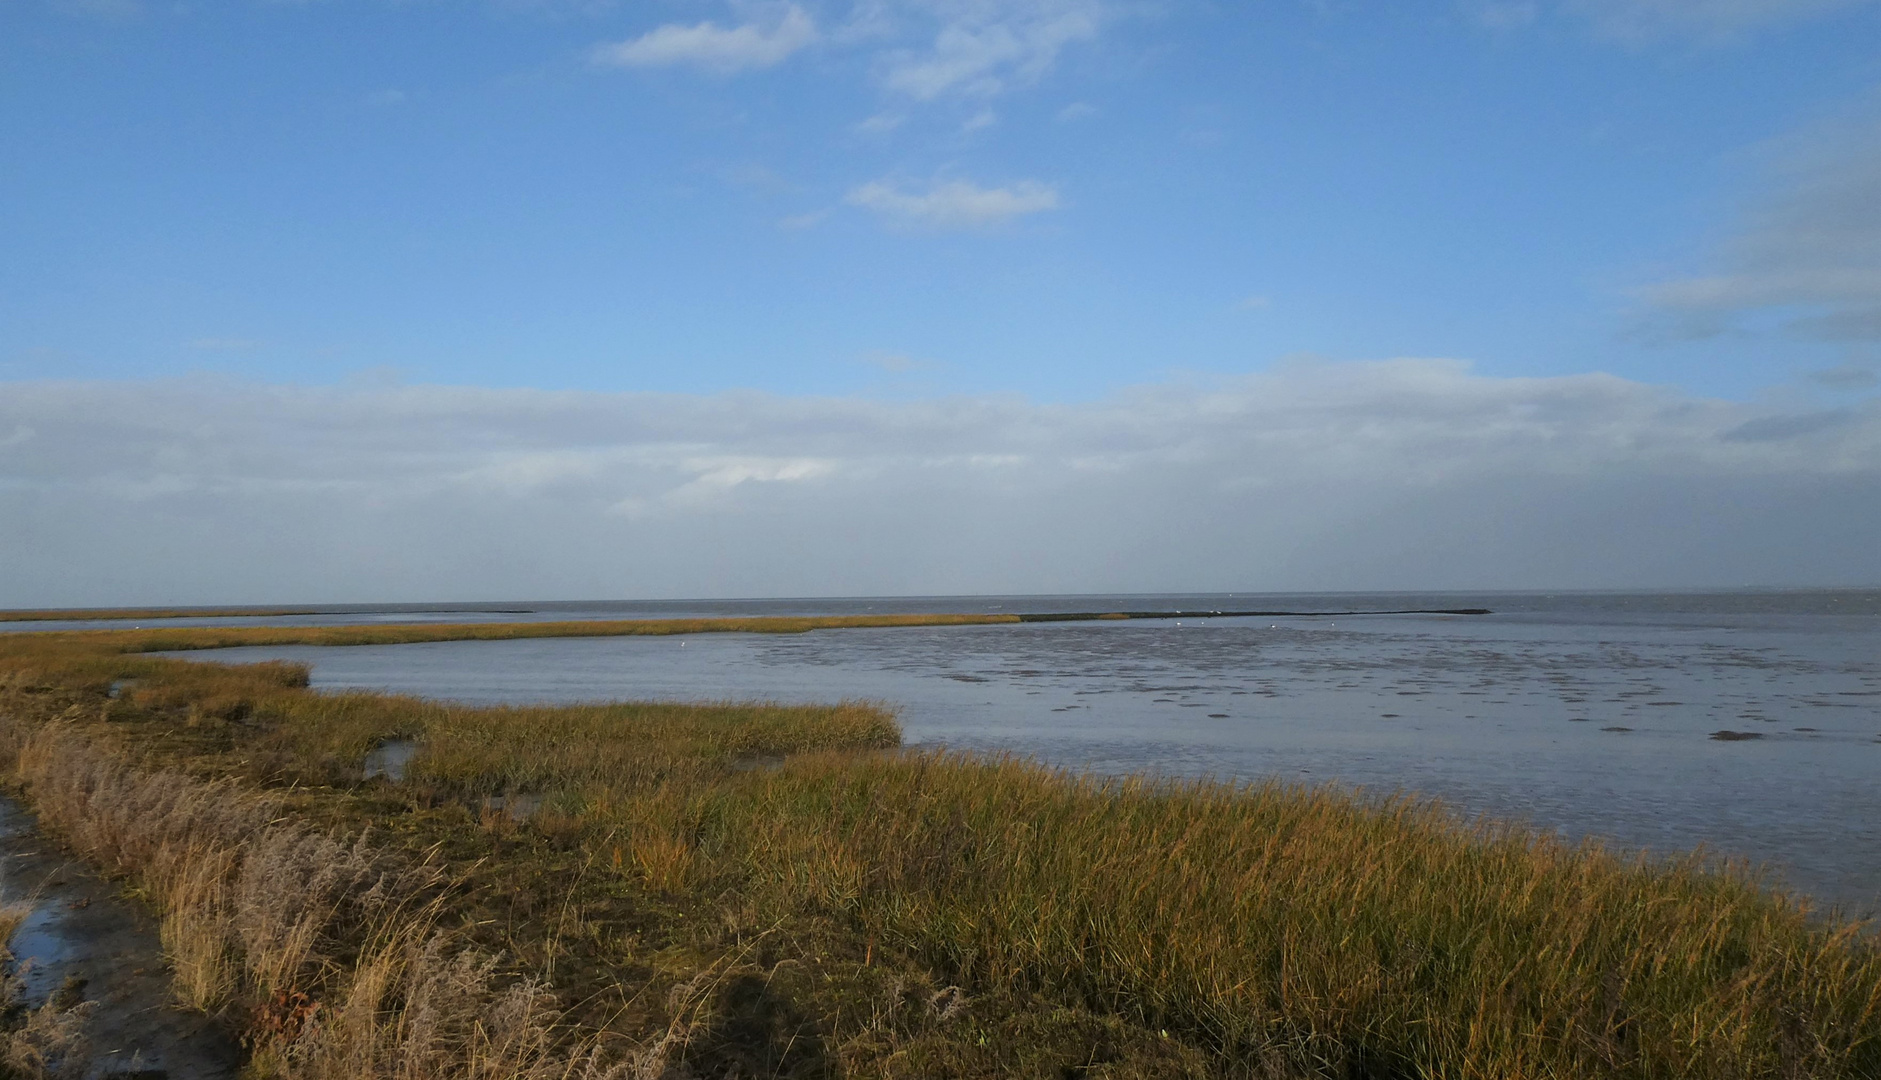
{"x": 49, "y": 1043}
{"x": 415, "y": 1009}
{"x": 269, "y": 917}
{"x": 13, "y": 912}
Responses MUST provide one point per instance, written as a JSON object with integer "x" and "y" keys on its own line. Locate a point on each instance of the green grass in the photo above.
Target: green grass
{"x": 846, "y": 908}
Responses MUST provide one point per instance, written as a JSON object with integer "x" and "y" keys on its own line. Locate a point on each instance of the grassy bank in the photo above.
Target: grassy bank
{"x": 752, "y": 889}
{"x": 176, "y": 639}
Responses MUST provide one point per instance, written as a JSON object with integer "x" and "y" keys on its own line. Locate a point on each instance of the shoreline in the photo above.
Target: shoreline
{"x": 178, "y": 639}
{"x": 751, "y": 624}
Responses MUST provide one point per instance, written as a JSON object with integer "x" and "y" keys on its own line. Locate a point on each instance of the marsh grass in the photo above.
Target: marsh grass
{"x": 207, "y": 637}
{"x": 847, "y": 908}
{"x": 1333, "y": 934}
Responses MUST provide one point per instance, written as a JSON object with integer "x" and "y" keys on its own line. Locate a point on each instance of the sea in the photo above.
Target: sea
{"x": 1615, "y": 716}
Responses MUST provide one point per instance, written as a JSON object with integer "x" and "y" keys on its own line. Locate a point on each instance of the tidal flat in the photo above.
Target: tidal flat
{"x": 783, "y": 888}
{"x": 1589, "y": 716}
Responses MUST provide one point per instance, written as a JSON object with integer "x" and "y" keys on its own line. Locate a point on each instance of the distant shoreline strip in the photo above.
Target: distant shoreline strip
{"x": 1085, "y": 616}
{"x": 191, "y": 638}
{"x": 131, "y": 614}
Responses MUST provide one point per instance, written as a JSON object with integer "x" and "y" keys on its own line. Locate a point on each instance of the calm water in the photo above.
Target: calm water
{"x": 1590, "y": 714}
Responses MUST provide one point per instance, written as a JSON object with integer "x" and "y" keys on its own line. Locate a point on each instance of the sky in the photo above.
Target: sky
{"x": 356, "y": 300}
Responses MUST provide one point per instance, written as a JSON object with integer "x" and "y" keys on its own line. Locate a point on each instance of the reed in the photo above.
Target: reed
{"x": 324, "y": 949}
{"x": 777, "y": 889}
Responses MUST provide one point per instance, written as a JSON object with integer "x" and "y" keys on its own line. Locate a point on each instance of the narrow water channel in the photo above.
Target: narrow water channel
{"x": 86, "y": 942}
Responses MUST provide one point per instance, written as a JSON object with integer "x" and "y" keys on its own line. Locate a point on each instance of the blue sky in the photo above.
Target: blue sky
{"x": 795, "y": 219}
{"x": 483, "y": 193}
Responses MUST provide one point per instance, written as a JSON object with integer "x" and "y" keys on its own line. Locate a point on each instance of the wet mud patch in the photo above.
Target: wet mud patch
{"x": 516, "y": 806}
{"x": 758, "y": 763}
{"x": 93, "y": 950}
{"x": 389, "y": 760}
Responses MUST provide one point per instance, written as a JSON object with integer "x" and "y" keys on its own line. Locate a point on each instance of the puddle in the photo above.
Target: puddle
{"x": 520, "y": 807}
{"x": 82, "y": 936}
{"x": 758, "y": 763}
{"x": 389, "y": 760}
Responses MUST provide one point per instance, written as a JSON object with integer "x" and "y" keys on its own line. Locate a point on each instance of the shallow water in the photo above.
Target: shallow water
{"x": 1589, "y": 714}
{"x": 388, "y": 760}
{"x": 84, "y": 938}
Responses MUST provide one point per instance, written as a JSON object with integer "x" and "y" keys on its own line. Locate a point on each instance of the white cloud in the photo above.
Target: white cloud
{"x": 954, "y": 204}
{"x": 984, "y": 47}
{"x": 892, "y": 362}
{"x": 1409, "y": 473}
{"x": 921, "y": 49}
{"x": 1508, "y": 14}
{"x": 881, "y": 123}
{"x": 1807, "y": 253}
{"x": 1644, "y": 20}
{"x": 715, "y": 48}
{"x": 798, "y": 222}
{"x": 226, "y": 344}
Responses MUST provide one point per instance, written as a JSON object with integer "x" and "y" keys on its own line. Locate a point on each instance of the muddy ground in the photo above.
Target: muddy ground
{"x": 86, "y": 942}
